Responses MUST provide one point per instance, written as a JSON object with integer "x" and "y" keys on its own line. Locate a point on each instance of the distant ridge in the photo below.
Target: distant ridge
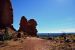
{"x": 51, "y": 34}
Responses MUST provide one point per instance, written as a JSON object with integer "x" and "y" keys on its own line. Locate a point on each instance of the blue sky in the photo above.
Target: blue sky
{"x": 51, "y": 15}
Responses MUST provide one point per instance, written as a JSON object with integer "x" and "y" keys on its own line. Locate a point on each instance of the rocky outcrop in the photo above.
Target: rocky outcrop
{"x": 6, "y": 20}
{"x": 32, "y": 27}
{"x": 6, "y": 13}
{"x": 28, "y": 27}
{"x": 23, "y": 25}
{"x": 6, "y": 16}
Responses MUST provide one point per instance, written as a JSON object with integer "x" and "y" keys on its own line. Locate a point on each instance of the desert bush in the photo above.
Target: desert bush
{"x": 6, "y": 35}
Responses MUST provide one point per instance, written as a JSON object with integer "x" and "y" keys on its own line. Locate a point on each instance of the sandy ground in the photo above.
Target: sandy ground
{"x": 27, "y": 44}
{"x": 33, "y": 43}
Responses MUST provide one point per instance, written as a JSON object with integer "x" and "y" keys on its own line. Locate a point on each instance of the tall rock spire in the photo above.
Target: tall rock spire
{"x": 23, "y": 24}
{"x": 6, "y": 13}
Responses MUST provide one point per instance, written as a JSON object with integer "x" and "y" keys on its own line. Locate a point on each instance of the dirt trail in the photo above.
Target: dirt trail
{"x": 29, "y": 44}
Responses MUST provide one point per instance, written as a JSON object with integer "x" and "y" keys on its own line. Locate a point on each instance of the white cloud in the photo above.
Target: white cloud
{"x": 69, "y": 30}
{"x": 63, "y": 30}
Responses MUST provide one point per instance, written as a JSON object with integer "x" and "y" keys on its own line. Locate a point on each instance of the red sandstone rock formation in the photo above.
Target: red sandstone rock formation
{"x": 23, "y": 25}
{"x": 6, "y": 16}
{"x": 6, "y": 13}
{"x": 29, "y": 28}
{"x": 32, "y": 27}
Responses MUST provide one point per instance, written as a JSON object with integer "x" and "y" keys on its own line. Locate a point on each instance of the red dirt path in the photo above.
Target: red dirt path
{"x": 28, "y": 44}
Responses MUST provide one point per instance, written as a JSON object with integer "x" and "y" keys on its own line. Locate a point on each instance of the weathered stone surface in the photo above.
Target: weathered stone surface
{"x": 6, "y": 13}
{"x": 11, "y": 30}
{"x": 28, "y": 27}
{"x": 6, "y": 16}
{"x": 23, "y": 24}
{"x": 32, "y": 27}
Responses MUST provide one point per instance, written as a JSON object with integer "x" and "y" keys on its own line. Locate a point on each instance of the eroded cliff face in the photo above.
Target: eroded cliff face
{"x": 6, "y": 16}
{"x": 6, "y": 13}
